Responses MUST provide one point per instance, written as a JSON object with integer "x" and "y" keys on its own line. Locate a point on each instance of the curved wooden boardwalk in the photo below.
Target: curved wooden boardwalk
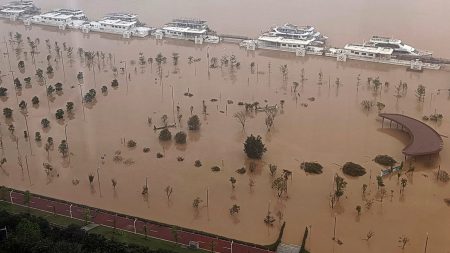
{"x": 424, "y": 139}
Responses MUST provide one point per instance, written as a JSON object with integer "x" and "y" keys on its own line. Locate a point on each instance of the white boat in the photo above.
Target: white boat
{"x": 281, "y": 43}
{"x": 125, "y": 24}
{"x": 213, "y": 39}
{"x": 292, "y": 38}
{"x": 189, "y": 29}
{"x": 370, "y": 53}
{"x": 397, "y": 45}
{"x": 62, "y": 18}
{"x": 18, "y": 10}
{"x": 291, "y": 31}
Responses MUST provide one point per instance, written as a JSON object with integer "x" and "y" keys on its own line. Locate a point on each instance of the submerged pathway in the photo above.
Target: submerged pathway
{"x": 135, "y": 225}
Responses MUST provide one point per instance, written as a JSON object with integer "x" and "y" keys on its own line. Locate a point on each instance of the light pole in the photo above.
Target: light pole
{"x": 64, "y": 70}
{"x": 173, "y": 105}
{"x": 65, "y": 134}
{"x": 82, "y": 102}
{"x": 46, "y": 92}
{"x": 29, "y": 138}
{"x": 28, "y": 169}
{"x": 10, "y": 69}
{"x": 126, "y": 77}
{"x": 426, "y": 244}
{"x": 98, "y": 178}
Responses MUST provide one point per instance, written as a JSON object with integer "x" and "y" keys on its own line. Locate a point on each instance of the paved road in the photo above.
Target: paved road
{"x": 134, "y": 225}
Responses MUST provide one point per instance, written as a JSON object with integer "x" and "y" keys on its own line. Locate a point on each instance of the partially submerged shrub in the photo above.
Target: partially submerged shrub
{"x": 241, "y": 170}
{"x": 165, "y": 135}
{"x": 198, "y": 163}
{"x": 215, "y": 168}
{"x": 353, "y": 169}
{"x": 180, "y": 137}
{"x": 194, "y": 123}
{"x": 311, "y": 167}
{"x": 254, "y": 147}
{"x": 131, "y": 144}
{"x": 385, "y": 160}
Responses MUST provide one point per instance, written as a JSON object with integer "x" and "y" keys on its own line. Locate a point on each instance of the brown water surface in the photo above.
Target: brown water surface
{"x": 332, "y": 130}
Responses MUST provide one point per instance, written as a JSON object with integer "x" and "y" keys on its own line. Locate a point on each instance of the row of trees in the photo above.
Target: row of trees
{"x": 28, "y": 233}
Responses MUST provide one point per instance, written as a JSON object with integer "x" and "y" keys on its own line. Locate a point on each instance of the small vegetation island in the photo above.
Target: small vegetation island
{"x": 138, "y": 147}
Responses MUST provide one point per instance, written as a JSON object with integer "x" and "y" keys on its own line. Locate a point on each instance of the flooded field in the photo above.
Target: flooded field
{"x": 318, "y": 122}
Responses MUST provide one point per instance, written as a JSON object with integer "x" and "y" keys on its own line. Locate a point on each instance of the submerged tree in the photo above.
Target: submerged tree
{"x": 358, "y": 210}
{"x": 91, "y": 178}
{"x": 233, "y": 182}
{"x": 284, "y": 71}
{"x": 194, "y": 123}
{"x": 420, "y": 93}
{"x": 196, "y": 203}
{"x": 340, "y": 185}
{"x": 280, "y": 185}
{"x": 254, "y": 147}
{"x": 241, "y": 117}
{"x": 272, "y": 169}
{"x": 403, "y": 240}
{"x": 7, "y": 112}
{"x": 69, "y": 107}
{"x": 35, "y": 100}
{"x": 403, "y": 184}
{"x": 234, "y": 209}
{"x": 168, "y": 190}
{"x": 180, "y": 137}
{"x": 165, "y": 135}
{"x": 380, "y": 182}
{"x": 59, "y": 114}
{"x": 63, "y": 148}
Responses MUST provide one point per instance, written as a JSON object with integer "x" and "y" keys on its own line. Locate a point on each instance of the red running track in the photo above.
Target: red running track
{"x": 131, "y": 224}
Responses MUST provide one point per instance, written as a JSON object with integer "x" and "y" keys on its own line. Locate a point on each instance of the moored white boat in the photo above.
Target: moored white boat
{"x": 397, "y": 45}
{"x": 18, "y": 10}
{"x": 188, "y": 29}
{"x": 62, "y": 18}
{"x": 290, "y": 31}
{"x": 125, "y": 24}
{"x": 369, "y": 53}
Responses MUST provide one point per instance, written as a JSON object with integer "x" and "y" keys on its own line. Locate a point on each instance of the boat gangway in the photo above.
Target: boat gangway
{"x": 233, "y": 38}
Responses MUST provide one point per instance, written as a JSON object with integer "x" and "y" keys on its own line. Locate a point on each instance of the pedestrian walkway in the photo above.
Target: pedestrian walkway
{"x": 134, "y": 224}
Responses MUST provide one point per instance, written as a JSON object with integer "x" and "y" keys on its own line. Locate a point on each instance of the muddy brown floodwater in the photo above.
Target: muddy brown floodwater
{"x": 331, "y": 130}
